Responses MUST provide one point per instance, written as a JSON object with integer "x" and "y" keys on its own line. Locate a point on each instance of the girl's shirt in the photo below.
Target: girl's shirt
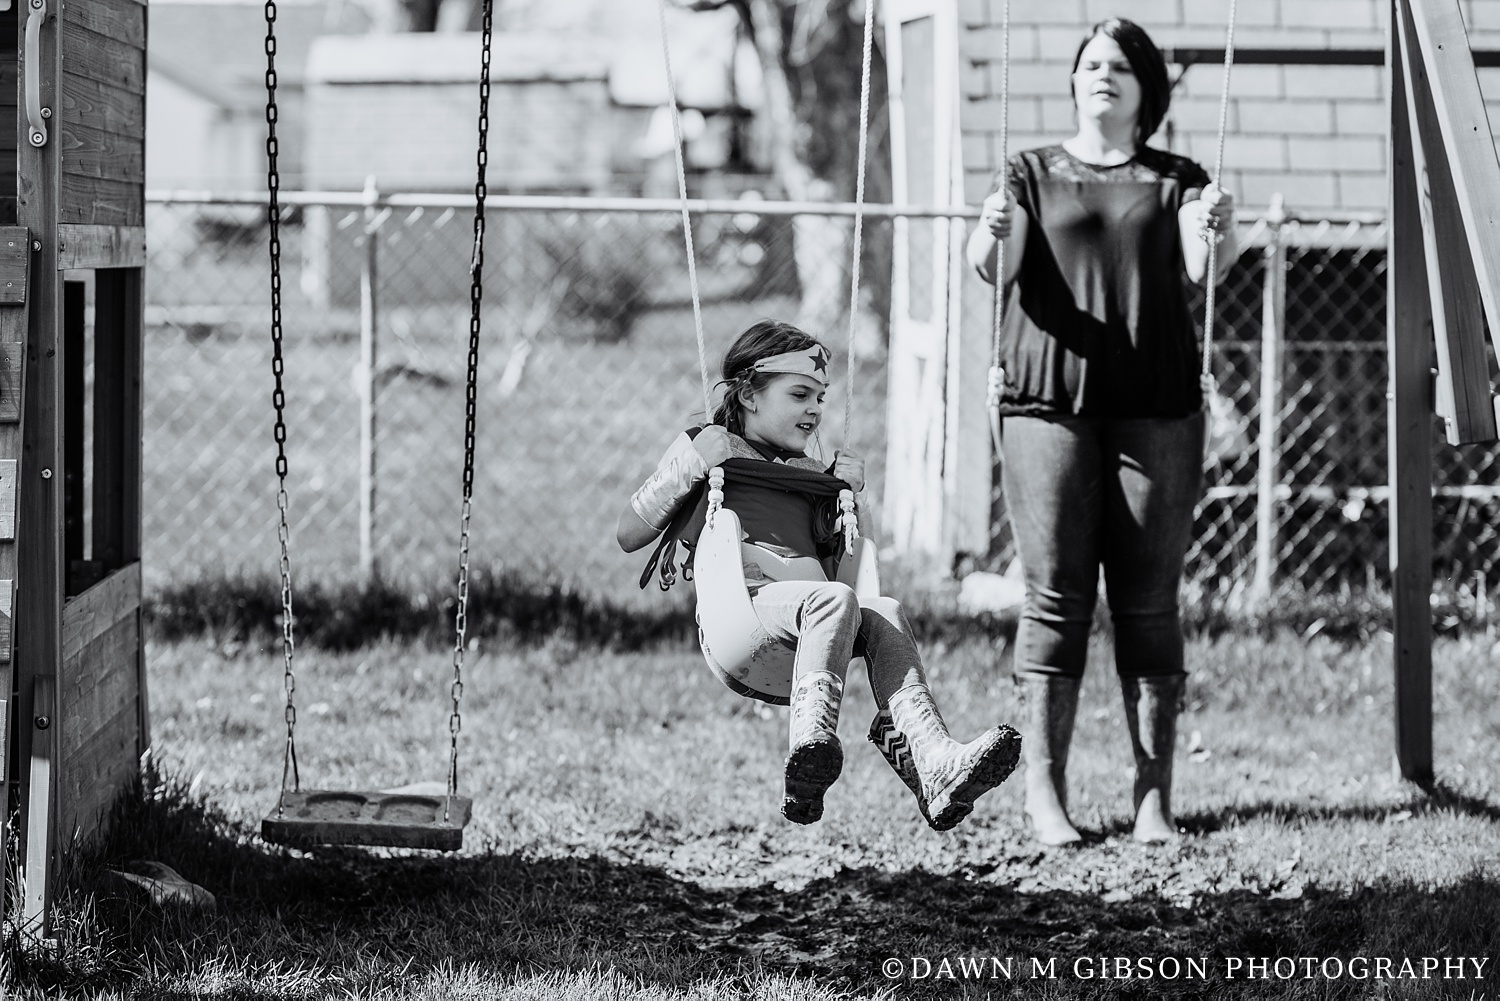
{"x": 1097, "y": 324}
{"x": 780, "y": 520}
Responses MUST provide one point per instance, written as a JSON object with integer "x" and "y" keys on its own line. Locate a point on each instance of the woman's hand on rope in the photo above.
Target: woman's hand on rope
{"x": 850, "y": 468}
{"x": 1218, "y": 210}
{"x": 998, "y": 213}
{"x": 713, "y": 444}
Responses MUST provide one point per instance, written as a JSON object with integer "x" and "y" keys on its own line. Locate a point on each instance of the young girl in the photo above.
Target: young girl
{"x": 775, "y": 378}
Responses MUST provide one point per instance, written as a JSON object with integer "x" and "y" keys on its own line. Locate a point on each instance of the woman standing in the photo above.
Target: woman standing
{"x": 1101, "y": 408}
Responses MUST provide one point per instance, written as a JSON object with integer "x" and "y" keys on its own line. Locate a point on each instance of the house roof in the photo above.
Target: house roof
{"x": 217, "y": 49}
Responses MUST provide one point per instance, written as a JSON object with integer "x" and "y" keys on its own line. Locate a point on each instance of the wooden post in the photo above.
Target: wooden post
{"x": 1272, "y": 333}
{"x": 1409, "y": 409}
{"x": 369, "y": 358}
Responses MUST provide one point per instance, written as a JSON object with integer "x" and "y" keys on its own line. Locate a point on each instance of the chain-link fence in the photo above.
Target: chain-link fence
{"x": 589, "y": 366}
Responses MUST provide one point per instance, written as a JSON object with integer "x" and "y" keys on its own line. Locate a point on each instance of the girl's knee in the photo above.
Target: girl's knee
{"x": 833, "y": 600}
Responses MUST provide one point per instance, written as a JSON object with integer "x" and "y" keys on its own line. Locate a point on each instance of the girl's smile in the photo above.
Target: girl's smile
{"x": 786, "y": 412}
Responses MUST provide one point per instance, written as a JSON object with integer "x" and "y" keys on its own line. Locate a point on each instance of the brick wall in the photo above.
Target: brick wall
{"x": 1316, "y": 134}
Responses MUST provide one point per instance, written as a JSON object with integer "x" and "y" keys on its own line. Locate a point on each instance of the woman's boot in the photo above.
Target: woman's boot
{"x": 1051, "y": 703}
{"x": 1151, "y": 707}
{"x": 945, "y": 776}
{"x": 816, "y": 756}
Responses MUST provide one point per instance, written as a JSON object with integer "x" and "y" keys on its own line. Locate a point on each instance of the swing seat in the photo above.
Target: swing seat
{"x": 392, "y": 818}
{"x": 741, "y": 654}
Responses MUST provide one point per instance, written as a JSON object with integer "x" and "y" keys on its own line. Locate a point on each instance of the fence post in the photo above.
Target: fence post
{"x": 369, "y": 357}
{"x": 1272, "y": 334}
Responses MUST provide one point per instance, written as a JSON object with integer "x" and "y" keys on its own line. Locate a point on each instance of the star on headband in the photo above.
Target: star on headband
{"x": 812, "y": 362}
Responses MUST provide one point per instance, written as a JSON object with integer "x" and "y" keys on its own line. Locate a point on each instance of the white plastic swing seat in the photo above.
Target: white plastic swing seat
{"x": 747, "y": 659}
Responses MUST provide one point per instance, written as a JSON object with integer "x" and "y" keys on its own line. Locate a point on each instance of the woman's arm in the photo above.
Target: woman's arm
{"x": 1213, "y": 210}
{"x": 1001, "y": 218}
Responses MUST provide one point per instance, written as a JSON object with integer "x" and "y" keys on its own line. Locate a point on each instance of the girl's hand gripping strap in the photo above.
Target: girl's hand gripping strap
{"x": 658, "y": 498}
{"x": 848, "y": 519}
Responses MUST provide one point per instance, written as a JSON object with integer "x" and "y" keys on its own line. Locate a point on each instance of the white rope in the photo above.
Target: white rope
{"x": 1211, "y": 279}
{"x": 687, "y": 224}
{"x": 992, "y": 396}
{"x": 866, "y": 59}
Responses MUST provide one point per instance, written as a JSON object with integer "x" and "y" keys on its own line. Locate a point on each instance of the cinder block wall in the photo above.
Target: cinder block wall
{"x": 1314, "y": 133}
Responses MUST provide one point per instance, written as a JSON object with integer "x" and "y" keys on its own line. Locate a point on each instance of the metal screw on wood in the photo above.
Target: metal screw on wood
{"x": 46, "y": 474}
{"x": 36, "y": 244}
{"x": 42, "y": 722}
{"x": 46, "y": 112}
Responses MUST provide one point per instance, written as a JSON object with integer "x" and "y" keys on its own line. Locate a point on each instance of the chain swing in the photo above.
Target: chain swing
{"x": 736, "y": 647}
{"x": 403, "y": 818}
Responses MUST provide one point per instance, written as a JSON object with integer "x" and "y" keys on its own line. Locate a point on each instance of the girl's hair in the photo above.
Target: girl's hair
{"x": 762, "y": 340}
{"x": 1146, "y": 63}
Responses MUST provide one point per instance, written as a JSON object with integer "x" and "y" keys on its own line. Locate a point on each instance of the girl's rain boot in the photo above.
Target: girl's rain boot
{"x": 1051, "y": 703}
{"x": 816, "y": 756}
{"x": 1151, "y": 708}
{"x": 945, "y": 776}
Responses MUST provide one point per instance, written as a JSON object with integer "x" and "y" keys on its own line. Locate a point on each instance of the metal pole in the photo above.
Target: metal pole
{"x": 369, "y": 358}
{"x": 1272, "y": 334}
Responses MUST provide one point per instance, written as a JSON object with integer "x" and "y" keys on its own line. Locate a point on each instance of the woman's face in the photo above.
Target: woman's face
{"x": 1104, "y": 86}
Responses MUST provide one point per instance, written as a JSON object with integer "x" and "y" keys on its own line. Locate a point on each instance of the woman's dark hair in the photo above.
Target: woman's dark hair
{"x": 762, "y": 340}
{"x": 1146, "y": 63}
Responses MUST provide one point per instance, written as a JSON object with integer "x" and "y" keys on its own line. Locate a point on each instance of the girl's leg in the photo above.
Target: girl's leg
{"x": 821, "y": 619}
{"x": 1153, "y": 482}
{"x": 945, "y": 776}
{"x": 1052, "y": 479}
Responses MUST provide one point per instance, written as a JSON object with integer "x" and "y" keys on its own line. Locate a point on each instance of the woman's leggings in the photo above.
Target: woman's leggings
{"x": 830, "y": 626}
{"x": 1085, "y": 492}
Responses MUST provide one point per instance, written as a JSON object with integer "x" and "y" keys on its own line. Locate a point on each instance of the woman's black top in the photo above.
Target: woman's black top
{"x": 1097, "y": 324}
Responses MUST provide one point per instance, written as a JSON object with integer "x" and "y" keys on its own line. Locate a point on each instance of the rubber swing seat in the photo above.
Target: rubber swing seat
{"x": 355, "y": 817}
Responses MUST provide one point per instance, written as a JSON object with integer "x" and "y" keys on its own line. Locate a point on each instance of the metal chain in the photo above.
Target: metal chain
{"x": 687, "y": 224}
{"x": 866, "y": 58}
{"x": 1211, "y": 279}
{"x": 278, "y": 399}
{"x": 471, "y": 395}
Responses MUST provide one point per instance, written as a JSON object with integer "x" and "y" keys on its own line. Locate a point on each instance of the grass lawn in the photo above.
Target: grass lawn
{"x": 626, "y": 841}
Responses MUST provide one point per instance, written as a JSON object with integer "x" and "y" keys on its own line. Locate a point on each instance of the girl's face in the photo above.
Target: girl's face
{"x": 1104, "y": 86}
{"x": 786, "y": 412}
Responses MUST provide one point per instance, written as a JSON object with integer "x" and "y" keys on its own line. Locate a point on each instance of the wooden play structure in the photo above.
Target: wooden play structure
{"x": 72, "y": 257}
{"x": 1443, "y": 280}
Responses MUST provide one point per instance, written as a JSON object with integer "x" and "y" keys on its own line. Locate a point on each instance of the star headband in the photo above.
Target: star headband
{"x": 812, "y": 362}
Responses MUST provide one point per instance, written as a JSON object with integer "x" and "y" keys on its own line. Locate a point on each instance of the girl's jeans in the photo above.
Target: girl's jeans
{"x": 1089, "y": 491}
{"x": 830, "y": 626}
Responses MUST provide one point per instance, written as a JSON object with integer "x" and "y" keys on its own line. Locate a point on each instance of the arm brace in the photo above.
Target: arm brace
{"x": 674, "y": 479}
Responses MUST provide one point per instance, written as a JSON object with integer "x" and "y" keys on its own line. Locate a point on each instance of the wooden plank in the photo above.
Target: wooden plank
{"x": 89, "y": 152}
{"x": 118, "y": 322}
{"x": 12, "y": 353}
{"x": 7, "y": 500}
{"x": 15, "y": 256}
{"x": 86, "y": 247}
{"x": 101, "y": 201}
{"x": 1457, "y": 309}
{"x": 98, "y": 682}
{"x": 1409, "y": 346}
{"x": 363, "y": 817}
{"x": 104, "y": 106}
{"x": 7, "y": 603}
{"x": 108, "y": 60}
{"x": 93, "y": 613}
{"x": 94, "y": 775}
{"x": 121, "y": 19}
{"x": 1443, "y": 45}
{"x": 39, "y": 812}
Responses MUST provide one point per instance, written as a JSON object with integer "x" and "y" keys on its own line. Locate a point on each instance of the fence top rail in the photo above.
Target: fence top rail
{"x": 1253, "y": 219}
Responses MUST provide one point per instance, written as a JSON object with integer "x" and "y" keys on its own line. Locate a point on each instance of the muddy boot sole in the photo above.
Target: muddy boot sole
{"x": 989, "y": 761}
{"x": 810, "y": 770}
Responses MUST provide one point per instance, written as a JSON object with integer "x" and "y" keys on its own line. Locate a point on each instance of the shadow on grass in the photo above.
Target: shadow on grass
{"x": 1437, "y": 797}
{"x": 293, "y": 924}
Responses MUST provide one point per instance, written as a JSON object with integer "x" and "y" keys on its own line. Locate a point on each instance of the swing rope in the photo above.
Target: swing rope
{"x": 1213, "y": 236}
{"x": 687, "y": 223}
{"x": 278, "y": 399}
{"x": 997, "y": 374}
{"x": 866, "y": 60}
{"x": 471, "y": 398}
